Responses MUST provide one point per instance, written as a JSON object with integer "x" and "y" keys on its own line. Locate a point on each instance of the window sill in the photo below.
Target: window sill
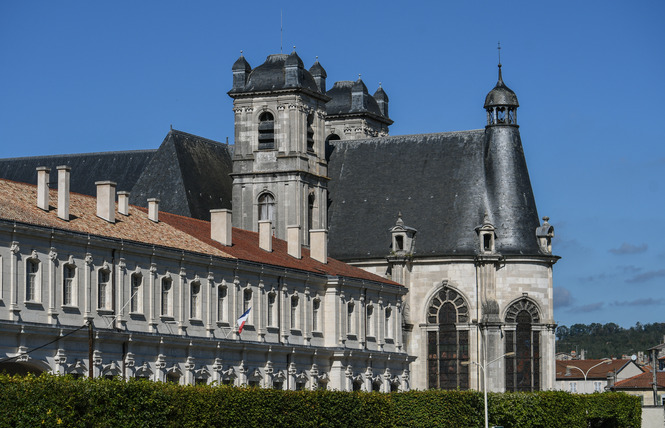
{"x": 317, "y": 334}
{"x": 103, "y": 311}
{"x": 223, "y": 324}
{"x": 33, "y": 304}
{"x": 165, "y": 318}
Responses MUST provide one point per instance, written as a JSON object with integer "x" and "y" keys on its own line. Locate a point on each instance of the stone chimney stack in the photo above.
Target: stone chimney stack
{"x": 106, "y": 200}
{"x": 293, "y": 241}
{"x": 123, "y": 202}
{"x": 220, "y": 226}
{"x": 42, "y": 187}
{"x": 153, "y": 209}
{"x": 265, "y": 235}
{"x": 63, "y": 191}
{"x": 318, "y": 245}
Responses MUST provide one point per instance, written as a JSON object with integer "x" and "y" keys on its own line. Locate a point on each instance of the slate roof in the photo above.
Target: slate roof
{"x": 18, "y": 203}
{"x": 641, "y": 381}
{"x": 271, "y": 76}
{"x": 342, "y": 101}
{"x": 122, "y": 167}
{"x": 598, "y": 373}
{"x": 189, "y": 174}
{"x": 438, "y": 182}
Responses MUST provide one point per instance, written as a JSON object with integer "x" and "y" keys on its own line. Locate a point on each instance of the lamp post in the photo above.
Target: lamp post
{"x": 483, "y": 367}
{"x": 605, "y": 361}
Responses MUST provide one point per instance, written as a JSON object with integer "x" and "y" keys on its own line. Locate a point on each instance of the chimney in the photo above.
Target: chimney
{"x": 220, "y": 226}
{"x": 265, "y": 235}
{"x": 42, "y": 187}
{"x": 153, "y": 209}
{"x": 123, "y": 202}
{"x": 293, "y": 241}
{"x": 63, "y": 191}
{"x": 106, "y": 200}
{"x": 318, "y": 245}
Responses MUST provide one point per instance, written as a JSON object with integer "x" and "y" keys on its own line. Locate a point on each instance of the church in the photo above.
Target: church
{"x": 369, "y": 261}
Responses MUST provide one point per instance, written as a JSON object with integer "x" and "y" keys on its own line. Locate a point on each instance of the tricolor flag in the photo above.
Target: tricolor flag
{"x": 242, "y": 320}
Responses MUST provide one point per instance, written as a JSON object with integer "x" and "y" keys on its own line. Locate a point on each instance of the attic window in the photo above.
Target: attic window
{"x": 266, "y": 131}
{"x": 487, "y": 242}
{"x": 310, "y": 133}
{"x": 399, "y": 243}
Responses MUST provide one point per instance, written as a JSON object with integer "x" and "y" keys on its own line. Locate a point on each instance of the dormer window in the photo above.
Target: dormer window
{"x": 487, "y": 242}
{"x": 266, "y": 131}
{"x": 399, "y": 243}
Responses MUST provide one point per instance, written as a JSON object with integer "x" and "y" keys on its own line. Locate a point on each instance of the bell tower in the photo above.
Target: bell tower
{"x": 279, "y": 166}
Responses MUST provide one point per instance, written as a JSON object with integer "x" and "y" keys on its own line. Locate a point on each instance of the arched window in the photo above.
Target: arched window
{"x": 195, "y": 302}
{"x": 266, "y": 131}
{"x": 246, "y": 301}
{"x": 294, "y": 312}
{"x": 316, "y": 309}
{"x": 32, "y": 281}
{"x": 272, "y": 308}
{"x": 447, "y": 347}
{"x": 167, "y": 304}
{"x": 68, "y": 285}
{"x": 221, "y": 304}
{"x": 266, "y": 207}
{"x": 135, "y": 300}
{"x": 310, "y": 133}
{"x": 523, "y": 369}
{"x": 350, "y": 324}
{"x": 329, "y": 147}
{"x": 104, "y": 289}
{"x": 311, "y": 199}
{"x": 370, "y": 321}
{"x": 389, "y": 323}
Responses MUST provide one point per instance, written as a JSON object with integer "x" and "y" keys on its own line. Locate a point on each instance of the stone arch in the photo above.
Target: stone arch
{"x": 522, "y": 304}
{"x": 522, "y": 338}
{"x": 447, "y": 344}
{"x": 23, "y": 368}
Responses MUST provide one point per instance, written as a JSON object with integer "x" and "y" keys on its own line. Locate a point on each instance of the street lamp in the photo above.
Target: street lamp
{"x": 605, "y": 361}
{"x": 483, "y": 367}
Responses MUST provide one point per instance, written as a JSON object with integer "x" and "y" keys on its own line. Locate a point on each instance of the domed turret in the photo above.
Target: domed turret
{"x": 501, "y": 104}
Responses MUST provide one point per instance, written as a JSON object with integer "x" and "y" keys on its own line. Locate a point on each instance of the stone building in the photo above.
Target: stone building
{"x": 450, "y": 216}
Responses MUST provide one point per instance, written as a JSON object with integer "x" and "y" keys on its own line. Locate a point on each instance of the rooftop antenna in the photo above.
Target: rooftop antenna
{"x": 281, "y": 32}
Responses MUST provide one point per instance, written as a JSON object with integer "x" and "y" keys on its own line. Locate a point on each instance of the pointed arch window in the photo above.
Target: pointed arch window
{"x": 447, "y": 346}
{"x": 266, "y": 131}
{"x": 267, "y": 207}
{"x": 523, "y": 369}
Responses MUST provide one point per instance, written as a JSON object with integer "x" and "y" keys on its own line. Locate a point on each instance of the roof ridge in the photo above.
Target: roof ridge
{"x": 187, "y": 134}
{"x": 78, "y": 154}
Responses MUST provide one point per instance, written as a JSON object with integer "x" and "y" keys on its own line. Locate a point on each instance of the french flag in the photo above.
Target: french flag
{"x": 242, "y": 320}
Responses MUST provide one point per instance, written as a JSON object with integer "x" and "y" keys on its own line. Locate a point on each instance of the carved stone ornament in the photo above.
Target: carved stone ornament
{"x": 14, "y": 247}
{"x": 52, "y": 254}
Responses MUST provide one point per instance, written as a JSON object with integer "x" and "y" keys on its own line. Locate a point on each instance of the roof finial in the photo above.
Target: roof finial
{"x": 240, "y": 52}
{"x": 317, "y": 57}
{"x": 294, "y": 48}
{"x": 359, "y": 76}
{"x": 380, "y": 85}
{"x": 499, "y": 50}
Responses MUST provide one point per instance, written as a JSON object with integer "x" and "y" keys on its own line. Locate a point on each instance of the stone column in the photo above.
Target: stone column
{"x": 182, "y": 293}
{"x": 87, "y": 272}
{"x": 152, "y": 298}
{"x": 120, "y": 284}
{"x": 13, "y": 281}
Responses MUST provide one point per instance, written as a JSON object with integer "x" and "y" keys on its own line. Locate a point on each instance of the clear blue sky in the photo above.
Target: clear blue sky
{"x": 83, "y": 76}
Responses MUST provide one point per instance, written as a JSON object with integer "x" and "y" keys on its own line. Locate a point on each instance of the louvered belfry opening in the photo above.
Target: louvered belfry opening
{"x": 266, "y": 131}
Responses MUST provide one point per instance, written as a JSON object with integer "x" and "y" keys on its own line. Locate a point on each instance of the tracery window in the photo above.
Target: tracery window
{"x": 266, "y": 131}
{"x": 523, "y": 369}
{"x": 447, "y": 347}
{"x": 266, "y": 207}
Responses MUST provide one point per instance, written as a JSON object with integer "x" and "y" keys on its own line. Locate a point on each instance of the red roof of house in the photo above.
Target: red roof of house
{"x": 598, "y": 372}
{"x": 18, "y": 202}
{"x": 641, "y": 381}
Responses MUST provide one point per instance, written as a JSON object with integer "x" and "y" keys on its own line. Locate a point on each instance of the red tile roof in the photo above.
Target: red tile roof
{"x": 18, "y": 202}
{"x": 641, "y": 381}
{"x": 598, "y": 372}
